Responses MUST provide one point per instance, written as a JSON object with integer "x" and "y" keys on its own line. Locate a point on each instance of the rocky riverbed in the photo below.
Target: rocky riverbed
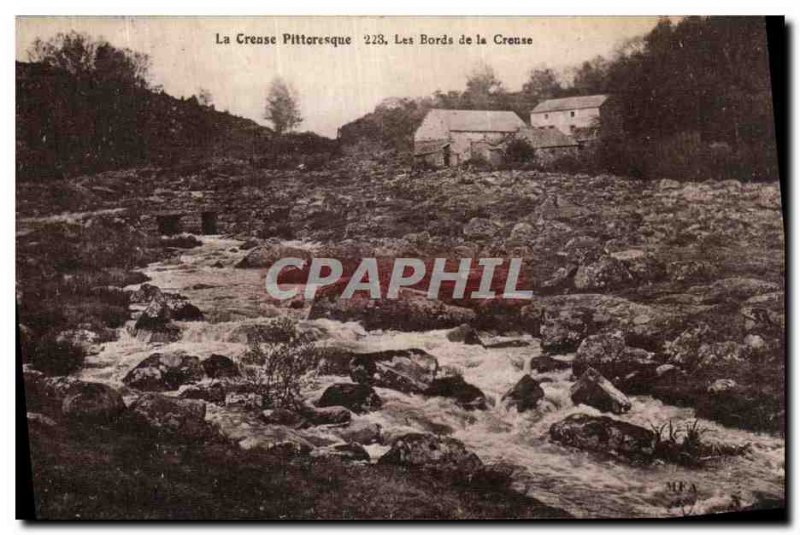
{"x": 643, "y": 379}
{"x": 580, "y": 482}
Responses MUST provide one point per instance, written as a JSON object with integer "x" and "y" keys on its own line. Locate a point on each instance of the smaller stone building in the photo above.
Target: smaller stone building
{"x": 571, "y": 115}
{"x": 451, "y": 137}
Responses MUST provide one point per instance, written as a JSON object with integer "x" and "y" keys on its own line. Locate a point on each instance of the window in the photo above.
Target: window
{"x": 546, "y": 116}
{"x": 572, "y": 114}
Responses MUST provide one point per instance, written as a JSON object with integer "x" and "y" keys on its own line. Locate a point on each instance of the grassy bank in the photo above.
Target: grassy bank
{"x": 103, "y": 473}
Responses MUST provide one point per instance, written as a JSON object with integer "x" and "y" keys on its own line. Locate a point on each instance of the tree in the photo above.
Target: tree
{"x": 542, "y": 84}
{"x": 590, "y": 78}
{"x": 282, "y": 110}
{"x": 483, "y": 87}
{"x": 85, "y": 57}
{"x": 204, "y": 97}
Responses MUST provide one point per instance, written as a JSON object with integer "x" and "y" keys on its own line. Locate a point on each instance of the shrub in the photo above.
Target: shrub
{"x": 690, "y": 450}
{"x": 518, "y": 151}
{"x": 56, "y": 357}
{"x": 277, "y": 362}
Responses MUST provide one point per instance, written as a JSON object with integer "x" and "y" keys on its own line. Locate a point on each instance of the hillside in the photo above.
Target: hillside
{"x": 67, "y": 125}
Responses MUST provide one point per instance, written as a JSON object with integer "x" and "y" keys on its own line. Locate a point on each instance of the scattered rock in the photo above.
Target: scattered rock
{"x": 165, "y": 371}
{"x": 279, "y": 440}
{"x": 525, "y": 395}
{"x": 547, "y": 364}
{"x": 145, "y": 294}
{"x": 212, "y": 393}
{"x": 182, "y": 417}
{"x": 505, "y": 344}
{"x": 36, "y": 418}
{"x": 721, "y": 385}
{"x": 263, "y": 256}
{"x": 691, "y": 271}
{"x": 220, "y": 366}
{"x": 642, "y": 266}
{"x": 465, "y": 334}
{"x": 421, "y": 450}
{"x": 596, "y": 391}
{"x": 563, "y": 330}
{"x": 405, "y": 370}
{"x": 356, "y": 397}
{"x": 480, "y": 228}
{"x": 347, "y": 452}
{"x": 360, "y": 431}
{"x": 604, "y": 435}
{"x": 284, "y": 417}
{"x": 467, "y": 396}
{"x": 93, "y": 402}
{"x": 582, "y": 250}
{"x": 608, "y": 354}
{"x": 326, "y": 415}
{"x": 412, "y": 311}
{"x": 685, "y": 350}
{"x": 246, "y": 400}
{"x": 607, "y": 273}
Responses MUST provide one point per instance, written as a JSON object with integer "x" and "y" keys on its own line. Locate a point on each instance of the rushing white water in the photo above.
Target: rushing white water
{"x": 581, "y": 483}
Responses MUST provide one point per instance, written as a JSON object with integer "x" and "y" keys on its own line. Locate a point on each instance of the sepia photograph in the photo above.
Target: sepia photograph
{"x": 400, "y": 268}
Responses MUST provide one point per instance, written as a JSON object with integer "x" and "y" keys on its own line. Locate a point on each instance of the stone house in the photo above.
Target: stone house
{"x": 451, "y": 137}
{"x": 549, "y": 143}
{"x": 579, "y": 117}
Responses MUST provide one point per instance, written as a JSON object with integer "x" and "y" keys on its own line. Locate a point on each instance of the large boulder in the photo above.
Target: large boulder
{"x": 219, "y": 367}
{"x": 422, "y": 450}
{"x": 350, "y": 451}
{"x": 608, "y": 354}
{"x": 165, "y": 371}
{"x": 145, "y": 294}
{"x": 479, "y": 228}
{"x": 525, "y": 395}
{"x": 733, "y": 290}
{"x": 333, "y": 414}
{"x": 93, "y": 402}
{"x": 582, "y": 250}
{"x": 563, "y": 330}
{"x": 466, "y": 334}
{"x": 213, "y": 393}
{"x": 406, "y": 370}
{"x": 155, "y": 317}
{"x": 277, "y": 439}
{"x": 642, "y": 266}
{"x": 685, "y": 350}
{"x": 607, "y": 273}
{"x": 765, "y": 314}
{"x": 357, "y": 397}
{"x": 412, "y": 311}
{"x": 467, "y": 396}
{"x": 683, "y": 271}
{"x": 605, "y": 435}
{"x": 164, "y": 414}
{"x": 180, "y": 309}
{"x": 596, "y": 391}
{"x": 548, "y": 364}
{"x": 263, "y": 256}
{"x": 361, "y": 432}
{"x": 567, "y": 319}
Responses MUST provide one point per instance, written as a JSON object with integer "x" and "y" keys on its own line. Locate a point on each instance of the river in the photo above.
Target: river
{"x": 579, "y": 482}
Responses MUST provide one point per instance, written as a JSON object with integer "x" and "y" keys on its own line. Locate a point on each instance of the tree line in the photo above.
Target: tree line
{"x": 690, "y": 100}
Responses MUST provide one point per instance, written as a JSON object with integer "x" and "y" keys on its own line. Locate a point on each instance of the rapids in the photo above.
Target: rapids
{"x": 579, "y": 482}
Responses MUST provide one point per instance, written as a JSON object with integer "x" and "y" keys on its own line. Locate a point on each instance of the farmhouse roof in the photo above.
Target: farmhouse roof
{"x": 543, "y": 138}
{"x": 570, "y": 103}
{"x": 479, "y": 120}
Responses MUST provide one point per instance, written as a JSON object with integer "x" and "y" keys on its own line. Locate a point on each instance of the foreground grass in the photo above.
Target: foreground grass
{"x": 95, "y": 473}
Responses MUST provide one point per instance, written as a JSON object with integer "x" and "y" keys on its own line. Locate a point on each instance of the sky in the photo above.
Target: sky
{"x": 336, "y": 85}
